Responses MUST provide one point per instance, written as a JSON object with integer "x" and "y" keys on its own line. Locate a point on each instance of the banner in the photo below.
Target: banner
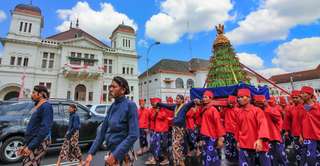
{"x": 224, "y": 92}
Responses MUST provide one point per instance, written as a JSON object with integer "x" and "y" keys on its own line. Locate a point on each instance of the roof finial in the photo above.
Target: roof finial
{"x": 70, "y": 24}
{"x": 77, "y": 23}
{"x": 30, "y": 2}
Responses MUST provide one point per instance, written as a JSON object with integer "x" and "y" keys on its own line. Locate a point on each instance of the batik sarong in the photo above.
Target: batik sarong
{"x": 70, "y": 150}
{"x": 35, "y": 156}
{"x": 210, "y": 155}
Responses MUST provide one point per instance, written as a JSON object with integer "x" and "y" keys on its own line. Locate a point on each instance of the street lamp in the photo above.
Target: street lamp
{"x": 291, "y": 82}
{"x": 147, "y": 58}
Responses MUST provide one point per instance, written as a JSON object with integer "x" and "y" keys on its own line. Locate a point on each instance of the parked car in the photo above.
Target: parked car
{"x": 100, "y": 109}
{"x": 89, "y": 105}
{"x": 14, "y": 118}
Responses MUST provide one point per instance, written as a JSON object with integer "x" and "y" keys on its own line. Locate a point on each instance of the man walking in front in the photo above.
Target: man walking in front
{"x": 38, "y": 133}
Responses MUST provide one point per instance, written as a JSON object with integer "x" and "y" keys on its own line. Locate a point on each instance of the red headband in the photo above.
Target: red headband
{"x": 169, "y": 100}
{"x": 295, "y": 93}
{"x": 282, "y": 100}
{"x": 307, "y": 89}
{"x": 243, "y": 92}
{"x": 259, "y": 98}
{"x": 208, "y": 93}
{"x": 272, "y": 100}
{"x": 155, "y": 100}
{"x": 232, "y": 99}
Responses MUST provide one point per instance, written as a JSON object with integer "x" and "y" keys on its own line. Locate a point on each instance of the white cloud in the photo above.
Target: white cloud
{"x": 268, "y": 72}
{"x": 99, "y": 23}
{"x": 143, "y": 43}
{"x": 298, "y": 54}
{"x": 295, "y": 55}
{"x": 256, "y": 63}
{"x": 178, "y": 17}
{"x": 3, "y": 15}
{"x": 250, "y": 60}
{"x": 273, "y": 20}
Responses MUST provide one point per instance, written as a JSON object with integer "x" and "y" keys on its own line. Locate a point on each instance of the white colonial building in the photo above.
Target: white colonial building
{"x": 169, "y": 77}
{"x": 72, "y": 64}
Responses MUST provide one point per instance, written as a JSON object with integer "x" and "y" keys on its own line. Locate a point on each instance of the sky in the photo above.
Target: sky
{"x": 270, "y": 36}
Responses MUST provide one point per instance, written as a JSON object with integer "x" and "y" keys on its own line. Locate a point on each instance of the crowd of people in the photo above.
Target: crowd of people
{"x": 250, "y": 130}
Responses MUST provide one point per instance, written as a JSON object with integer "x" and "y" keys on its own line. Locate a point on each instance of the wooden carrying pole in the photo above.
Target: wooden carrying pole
{"x": 269, "y": 81}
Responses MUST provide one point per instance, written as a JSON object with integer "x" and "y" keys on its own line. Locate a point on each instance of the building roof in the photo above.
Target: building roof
{"x": 297, "y": 76}
{"x": 199, "y": 64}
{"x": 73, "y": 33}
{"x": 177, "y": 66}
{"x": 123, "y": 28}
{"x": 28, "y": 9}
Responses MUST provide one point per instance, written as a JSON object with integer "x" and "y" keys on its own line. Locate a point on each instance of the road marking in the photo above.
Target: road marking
{"x": 65, "y": 163}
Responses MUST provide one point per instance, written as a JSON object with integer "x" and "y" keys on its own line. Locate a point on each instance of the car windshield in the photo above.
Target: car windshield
{"x": 19, "y": 108}
{"x": 101, "y": 109}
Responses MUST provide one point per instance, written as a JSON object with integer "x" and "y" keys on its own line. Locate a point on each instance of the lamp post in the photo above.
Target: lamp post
{"x": 147, "y": 58}
{"x": 291, "y": 82}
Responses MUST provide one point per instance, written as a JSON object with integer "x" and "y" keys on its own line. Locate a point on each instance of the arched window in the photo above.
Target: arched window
{"x": 80, "y": 93}
{"x": 179, "y": 83}
{"x": 190, "y": 83}
{"x": 11, "y": 95}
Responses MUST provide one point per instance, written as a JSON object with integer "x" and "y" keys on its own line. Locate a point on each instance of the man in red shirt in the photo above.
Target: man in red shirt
{"x": 191, "y": 130}
{"x": 143, "y": 117}
{"x": 292, "y": 124}
{"x": 160, "y": 135}
{"x": 284, "y": 106}
{"x": 310, "y": 120}
{"x": 170, "y": 119}
{"x": 212, "y": 132}
{"x": 228, "y": 116}
{"x": 198, "y": 118}
{"x": 272, "y": 101}
{"x": 151, "y": 119}
{"x": 252, "y": 132}
{"x": 275, "y": 123}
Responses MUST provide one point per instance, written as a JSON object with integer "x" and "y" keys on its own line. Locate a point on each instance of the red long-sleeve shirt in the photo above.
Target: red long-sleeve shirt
{"x": 198, "y": 116}
{"x": 191, "y": 119}
{"x": 292, "y": 121}
{"x": 251, "y": 124}
{"x": 161, "y": 121}
{"x": 170, "y": 116}
{"x": 152, "y": 119}
{"x": 228, "y": 116}
{"x": 310, "y": 121}
{"x": 211, "y": 125}
{"x": 143, "y": 117}
{"x": 275, "y": 123}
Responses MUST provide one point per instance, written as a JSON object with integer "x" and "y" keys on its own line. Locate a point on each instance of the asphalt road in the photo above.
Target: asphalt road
{"x": 52, "y": 155}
